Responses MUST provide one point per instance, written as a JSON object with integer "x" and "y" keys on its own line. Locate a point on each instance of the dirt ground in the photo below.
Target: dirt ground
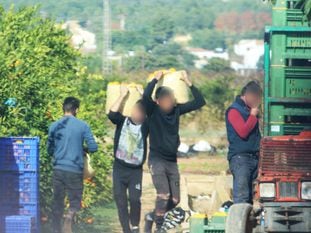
{"x": 204, "y": 176}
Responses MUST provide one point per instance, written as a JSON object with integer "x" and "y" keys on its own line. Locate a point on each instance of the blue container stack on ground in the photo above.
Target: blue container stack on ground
{"x": 19, "y": 184}
{"x": 20, "y": 224}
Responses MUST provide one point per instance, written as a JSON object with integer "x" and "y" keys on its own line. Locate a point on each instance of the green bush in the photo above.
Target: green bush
{"x": 38, "y": 68}
{"x": 218, "y": 93}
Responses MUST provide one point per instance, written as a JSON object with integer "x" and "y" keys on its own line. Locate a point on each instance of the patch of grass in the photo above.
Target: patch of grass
{"x": 104, "y": 220}
{"x": 203, "y": 164}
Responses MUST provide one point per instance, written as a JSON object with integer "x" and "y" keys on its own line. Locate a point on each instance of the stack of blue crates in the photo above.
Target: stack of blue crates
{"x": 20, "y": 224}
{"x": 19, "y": 182}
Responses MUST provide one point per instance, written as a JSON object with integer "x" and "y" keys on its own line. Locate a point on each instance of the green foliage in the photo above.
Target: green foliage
{"x": 307, "y": 9}
{"x": 218, "y": 93}
{"x": 219, "y": 90}
{"x": 217, "y": 65}
{"x": 162, "y": 56}
{"x": 162, "y": 29}
{"x": 92, "y": 95}
{"x": 39, "y": 68}
{"x": 208, "y": 39}
{"x": 93, "y": 63}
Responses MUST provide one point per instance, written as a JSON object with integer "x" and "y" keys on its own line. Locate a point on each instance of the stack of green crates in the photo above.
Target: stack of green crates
{"x": 288, "y": 13}
{"x": 287, "y": 71}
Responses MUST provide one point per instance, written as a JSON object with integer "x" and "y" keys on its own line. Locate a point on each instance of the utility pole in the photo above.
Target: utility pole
{"x": 106, "y": 61}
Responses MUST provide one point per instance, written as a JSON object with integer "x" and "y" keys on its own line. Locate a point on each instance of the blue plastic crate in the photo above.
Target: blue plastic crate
{"x": 29, "y": 209}
{"x": 2, "y": 224}
{"x": 19, "y": 154}
{"x": 32, "y": 210}
{"x": 26, "y": 209}
{"x": 19, "y": 224}
{"x": 22, "y": 209}
{"x": 30, "y": 141}
{"x": 19, "y": 188}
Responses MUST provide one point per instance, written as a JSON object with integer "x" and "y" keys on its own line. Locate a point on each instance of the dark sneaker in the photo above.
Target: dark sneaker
{"x": 135, "y": 230}
{"x": 173, "y": 218}
{"x": 149, "y": 219}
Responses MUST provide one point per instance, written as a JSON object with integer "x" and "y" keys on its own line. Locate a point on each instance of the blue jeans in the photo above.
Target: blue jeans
{"x": 244, "y": 168}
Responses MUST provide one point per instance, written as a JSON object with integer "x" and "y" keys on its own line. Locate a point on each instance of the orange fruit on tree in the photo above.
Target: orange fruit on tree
{"x": 90, "y": 221}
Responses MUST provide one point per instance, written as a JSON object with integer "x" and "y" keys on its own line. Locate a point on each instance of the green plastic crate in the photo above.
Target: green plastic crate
{"x": 198, "y": 223}
{"x": 288, "y": 117}
{"x": 217, "y": 223}
{"x": 288, "y": 13}
{"x": 201, "y": 224}
{"x": 290, "y": 82}
{"x": 276, "y": 129}
{"x": 288, "y": 45}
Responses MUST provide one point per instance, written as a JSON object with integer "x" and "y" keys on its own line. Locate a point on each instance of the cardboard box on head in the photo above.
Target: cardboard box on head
{"x": 172, "y": 79}
{"x": 113, "y": 93}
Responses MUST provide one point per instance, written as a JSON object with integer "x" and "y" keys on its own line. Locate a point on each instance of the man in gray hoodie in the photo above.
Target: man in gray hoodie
{"x": 66, "y": 141}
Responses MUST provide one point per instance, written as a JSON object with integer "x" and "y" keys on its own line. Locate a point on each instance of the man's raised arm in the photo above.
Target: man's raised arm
{"x": 198, "y": 101}
{"x": 147, "y": 96}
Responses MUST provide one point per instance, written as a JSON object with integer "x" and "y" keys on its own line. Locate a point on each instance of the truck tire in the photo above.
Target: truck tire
{"x": 238, "y": 220}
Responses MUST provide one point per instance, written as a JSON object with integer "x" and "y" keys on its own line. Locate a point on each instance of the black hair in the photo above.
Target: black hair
{"x": 71, "y": 104}
{"x": 163, "y": 92}
{"x": 252, "y": 87}
{"x": 141, "y": 106}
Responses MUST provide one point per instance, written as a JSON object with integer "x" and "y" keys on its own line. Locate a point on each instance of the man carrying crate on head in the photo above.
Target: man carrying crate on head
{"x": 130, "y": 144}
{"x": 66, "y": 144}
{"x": 164, "y": 115}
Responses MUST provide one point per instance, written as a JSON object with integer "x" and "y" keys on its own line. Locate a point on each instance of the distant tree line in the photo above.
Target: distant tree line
{"x": 151, "y": 25}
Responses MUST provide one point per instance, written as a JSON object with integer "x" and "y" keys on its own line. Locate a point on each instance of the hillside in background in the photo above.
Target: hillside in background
{"x": 140, "y": 14}
{"x": 152, "y": 34}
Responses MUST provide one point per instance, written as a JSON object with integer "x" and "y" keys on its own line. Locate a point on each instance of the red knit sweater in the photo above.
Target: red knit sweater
{"x": 242, "y": 127}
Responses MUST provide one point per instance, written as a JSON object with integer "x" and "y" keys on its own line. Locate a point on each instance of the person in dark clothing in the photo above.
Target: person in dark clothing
{"x": 244, "y": 141}
{"x": 66, "y": 144}
{"x": 130, "y": 144}
{"x": 164, "y": 116}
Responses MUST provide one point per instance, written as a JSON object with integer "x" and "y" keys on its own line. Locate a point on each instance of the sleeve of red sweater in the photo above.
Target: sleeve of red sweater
{"x": 242, "y": 127}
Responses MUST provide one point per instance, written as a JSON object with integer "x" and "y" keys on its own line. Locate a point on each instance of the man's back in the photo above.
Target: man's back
{"x": 65, "y": 143}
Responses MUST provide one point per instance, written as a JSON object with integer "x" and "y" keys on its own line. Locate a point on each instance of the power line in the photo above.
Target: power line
{"x": 107, "y": 66}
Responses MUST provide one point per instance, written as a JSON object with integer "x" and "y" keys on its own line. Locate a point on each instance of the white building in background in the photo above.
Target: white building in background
{"x": 81, "y": 39}
{"x": 250, "y": 52}
{"x": 203, "y": 55}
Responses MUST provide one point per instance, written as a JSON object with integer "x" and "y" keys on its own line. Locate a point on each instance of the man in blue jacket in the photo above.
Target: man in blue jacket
{"x": 66, "y": 141}
{"x": 244, "y": 141}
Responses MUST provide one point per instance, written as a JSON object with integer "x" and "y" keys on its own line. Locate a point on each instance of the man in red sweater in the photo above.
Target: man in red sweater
{"x": 244, "y": 141}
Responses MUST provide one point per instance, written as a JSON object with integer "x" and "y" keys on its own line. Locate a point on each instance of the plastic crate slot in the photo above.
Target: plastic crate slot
{"x": 19, "y": 184}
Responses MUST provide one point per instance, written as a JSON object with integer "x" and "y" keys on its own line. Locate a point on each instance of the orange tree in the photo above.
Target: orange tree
{"x": 38, "y": 68}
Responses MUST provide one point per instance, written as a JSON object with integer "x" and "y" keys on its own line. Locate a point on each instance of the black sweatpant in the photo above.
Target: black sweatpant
{"x": 69, "y": 183}
{"x": 127, "y": 180}
{"x": 166, "y": 179}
